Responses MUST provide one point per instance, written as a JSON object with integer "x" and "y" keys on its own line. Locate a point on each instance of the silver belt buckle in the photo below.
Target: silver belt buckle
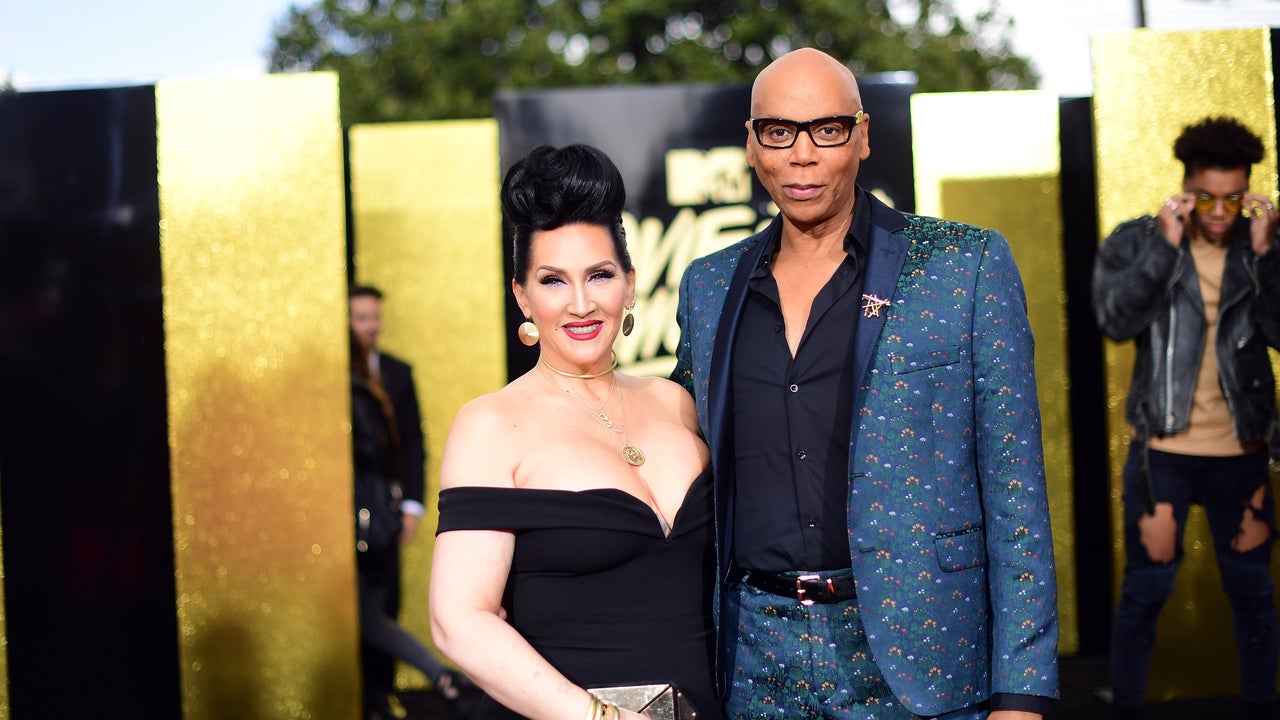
{"x": 800, "y": 588}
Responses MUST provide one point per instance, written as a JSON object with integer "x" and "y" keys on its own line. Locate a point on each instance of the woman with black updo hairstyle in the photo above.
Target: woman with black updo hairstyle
{"x": 575, "y": 545}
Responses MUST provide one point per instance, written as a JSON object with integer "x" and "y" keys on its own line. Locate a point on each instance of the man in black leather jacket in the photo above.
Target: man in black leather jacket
{"x": 1197, "y": 286}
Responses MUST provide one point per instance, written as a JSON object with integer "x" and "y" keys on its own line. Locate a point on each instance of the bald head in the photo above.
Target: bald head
{"x": 814, "y": 185}
{"x": 804, "y": 76}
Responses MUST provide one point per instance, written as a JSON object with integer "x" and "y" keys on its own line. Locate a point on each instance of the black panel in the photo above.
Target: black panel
{"x": 1275, "y": 74}
{"x": 1086, "y": 369}
{"x": 88, "y": 545}
{"x": 348, "y": 207}
{"x": 636, "y": 126}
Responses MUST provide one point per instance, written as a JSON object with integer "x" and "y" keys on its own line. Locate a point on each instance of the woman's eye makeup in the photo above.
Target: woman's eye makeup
{"x": 593, "y": 276}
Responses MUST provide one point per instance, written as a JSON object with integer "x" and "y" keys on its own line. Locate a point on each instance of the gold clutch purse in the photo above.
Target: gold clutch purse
{"x": 659, "y": 702}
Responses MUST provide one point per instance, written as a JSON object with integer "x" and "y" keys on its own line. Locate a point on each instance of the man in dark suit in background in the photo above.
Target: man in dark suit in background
{"x": 396, "y": 376}
{"x": 365, "y": 306}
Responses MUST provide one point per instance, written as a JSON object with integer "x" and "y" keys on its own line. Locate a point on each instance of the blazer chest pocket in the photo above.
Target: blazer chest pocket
{"x": 961, "y": 549}
{"x": 927, "y": 359}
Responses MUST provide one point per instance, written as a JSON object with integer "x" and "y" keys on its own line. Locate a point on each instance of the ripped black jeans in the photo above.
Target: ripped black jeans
{"x": 1222, "y": 486}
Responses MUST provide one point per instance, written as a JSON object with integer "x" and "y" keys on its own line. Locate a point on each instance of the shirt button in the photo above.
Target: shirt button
{"x": 795, "y": 388}
{"x": 777, "y": 328}
{"x": 801, "y": 454}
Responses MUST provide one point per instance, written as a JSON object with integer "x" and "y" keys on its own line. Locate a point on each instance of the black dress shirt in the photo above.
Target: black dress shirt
{"x": 792, "y": 418}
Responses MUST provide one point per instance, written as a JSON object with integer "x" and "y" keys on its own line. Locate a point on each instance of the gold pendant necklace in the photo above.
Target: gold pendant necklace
{"x": 633, "y": 455}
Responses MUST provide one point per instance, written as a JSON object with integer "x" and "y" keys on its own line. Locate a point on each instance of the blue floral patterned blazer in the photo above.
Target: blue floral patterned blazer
{"x": 948, "y": 519}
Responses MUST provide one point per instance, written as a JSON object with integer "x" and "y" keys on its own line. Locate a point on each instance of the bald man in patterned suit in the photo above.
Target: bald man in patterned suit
{"x": 864, "y": 379}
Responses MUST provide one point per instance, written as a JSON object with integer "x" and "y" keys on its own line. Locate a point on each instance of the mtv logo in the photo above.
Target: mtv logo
{"x": 718, "y": 176}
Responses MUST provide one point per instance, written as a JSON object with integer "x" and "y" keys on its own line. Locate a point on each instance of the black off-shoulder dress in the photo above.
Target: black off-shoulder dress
{"x": 598, "y": 589}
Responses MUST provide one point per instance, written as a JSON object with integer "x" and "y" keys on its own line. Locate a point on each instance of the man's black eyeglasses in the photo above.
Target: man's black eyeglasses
{"x": 824, "y": 132}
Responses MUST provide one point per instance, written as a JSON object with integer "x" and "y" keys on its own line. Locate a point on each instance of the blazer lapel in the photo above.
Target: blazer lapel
{"x": 727, "y": 331}
{"x": 720, "y": 421}
{"x": 884, "y": 265}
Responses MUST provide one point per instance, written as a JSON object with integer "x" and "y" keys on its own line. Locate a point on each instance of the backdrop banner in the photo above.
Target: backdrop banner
{"x": 681, "y": 151}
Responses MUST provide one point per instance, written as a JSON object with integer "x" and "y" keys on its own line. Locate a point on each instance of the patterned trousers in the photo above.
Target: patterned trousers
{"x": 793, "y": 661}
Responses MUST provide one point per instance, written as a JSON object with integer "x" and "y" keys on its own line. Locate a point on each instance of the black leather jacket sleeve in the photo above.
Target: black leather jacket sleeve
{"x": 1133, "y": 274}
{"x": 1264, "y": 272}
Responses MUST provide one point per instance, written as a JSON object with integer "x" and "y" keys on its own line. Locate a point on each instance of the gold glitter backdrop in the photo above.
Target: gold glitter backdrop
{"x": 1007, "y": 177}
{"x": 428, "y": 233}
{"x": 253, "y": 258}
{"x": 1148, "y": 85}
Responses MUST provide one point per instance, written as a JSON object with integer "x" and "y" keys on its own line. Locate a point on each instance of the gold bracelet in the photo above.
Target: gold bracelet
{"x": 594, "y": 710}
{"x": 611, "y": 712}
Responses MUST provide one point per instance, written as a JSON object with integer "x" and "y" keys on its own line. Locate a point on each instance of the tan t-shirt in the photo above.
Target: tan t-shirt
{"x": 1211, "y": 432}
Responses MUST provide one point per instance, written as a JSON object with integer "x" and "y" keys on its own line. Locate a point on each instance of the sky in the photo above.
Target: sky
{"x": 91, "y": 43}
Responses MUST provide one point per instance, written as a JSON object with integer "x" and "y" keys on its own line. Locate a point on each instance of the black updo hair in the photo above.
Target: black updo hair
{"x": 1222, "y": 142}
{"x": 550, "y": 188}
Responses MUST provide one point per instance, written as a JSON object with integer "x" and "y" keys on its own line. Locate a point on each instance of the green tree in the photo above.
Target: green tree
{"x": 438, "y": 59}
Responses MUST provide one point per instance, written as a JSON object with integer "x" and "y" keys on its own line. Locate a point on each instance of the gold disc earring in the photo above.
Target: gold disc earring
{"x": 629, "y": 320}
{"x": 528, "y": 333}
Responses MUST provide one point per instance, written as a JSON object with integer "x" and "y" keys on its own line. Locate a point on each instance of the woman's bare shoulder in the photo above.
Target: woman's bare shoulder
{"x": 667, "y": 398}
{"x": 659, "y": 389}
{"x": 483, "y": 447}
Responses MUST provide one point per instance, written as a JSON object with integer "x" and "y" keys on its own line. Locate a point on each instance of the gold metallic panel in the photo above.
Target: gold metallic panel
{"x": 1007, "y": 177}
{"x": 1148, "y": 85}
{"x": 428, "y": 233}
{"x": 253, "y": 257}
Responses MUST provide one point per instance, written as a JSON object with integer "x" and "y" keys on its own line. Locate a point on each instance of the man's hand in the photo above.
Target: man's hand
{"x": 408, "y": 524}
{"x": 1171, "y": 218}
{"x": 1263, "y": 215}
{"x": 1013, "y": 715}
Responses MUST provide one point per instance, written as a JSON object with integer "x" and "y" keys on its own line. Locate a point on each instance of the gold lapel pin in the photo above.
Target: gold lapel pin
{"x": 872, "y": 305}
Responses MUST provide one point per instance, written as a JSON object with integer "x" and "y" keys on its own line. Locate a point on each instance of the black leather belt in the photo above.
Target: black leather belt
{"x": 807, "y": 588}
